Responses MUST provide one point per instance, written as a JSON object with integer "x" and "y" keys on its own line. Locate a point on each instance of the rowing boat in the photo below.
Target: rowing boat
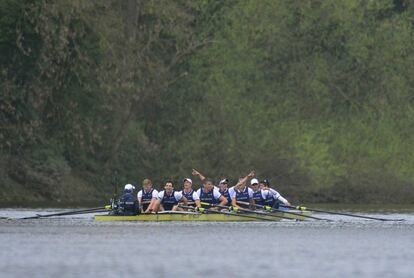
{"x": 194, "y": 216}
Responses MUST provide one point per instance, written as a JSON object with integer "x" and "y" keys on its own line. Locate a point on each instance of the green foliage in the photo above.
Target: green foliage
{"x": 316, "y": 95}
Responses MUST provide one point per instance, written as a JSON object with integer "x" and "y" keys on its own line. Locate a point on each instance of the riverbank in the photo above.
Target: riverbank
{"x": 25, "y": 186}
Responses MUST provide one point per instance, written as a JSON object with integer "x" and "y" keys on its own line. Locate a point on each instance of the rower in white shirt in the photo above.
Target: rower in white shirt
{"x": 209, "y": 194}
{"x": 190, "y": 194}
{"x": 147, "y": 197}
{"x": 240, "y": 192}
{"x": 259, "y": 195}
{"x": 202, "y": 178}
{"x": 274, "y": 198}
{"x": 224, "y": 190}
{"x": 168, "y": 199}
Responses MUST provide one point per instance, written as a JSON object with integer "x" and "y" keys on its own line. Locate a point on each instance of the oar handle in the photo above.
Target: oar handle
{"x": 236, "y": 209}
{"x": 295, "y": 207}
{"x": 197, "y": 209}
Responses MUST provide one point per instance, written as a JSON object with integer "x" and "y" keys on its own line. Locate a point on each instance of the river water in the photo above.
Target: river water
{"x": 81, "y": 247}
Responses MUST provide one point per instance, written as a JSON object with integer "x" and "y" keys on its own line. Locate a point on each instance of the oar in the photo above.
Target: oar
{"x": 288, "y": 212}
{"x": 340, "y": 213}
{"x": 247, "y": 210}
{"x": 229, "y": 213}
{"x": 100, "y": 209}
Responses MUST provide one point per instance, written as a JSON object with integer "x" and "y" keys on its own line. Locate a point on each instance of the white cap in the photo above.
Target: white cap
{"x": 129, "y": 187}
{"x": 188, "y": 179}
{"x": 253, "y": 181}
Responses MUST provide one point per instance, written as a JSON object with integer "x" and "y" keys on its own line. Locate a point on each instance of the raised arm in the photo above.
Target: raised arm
{"x": 197, "y": 173}
{"x": 244, "y": 179}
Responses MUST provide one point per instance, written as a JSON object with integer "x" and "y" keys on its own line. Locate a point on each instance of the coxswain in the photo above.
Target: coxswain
{"x": 241, "y": 192}
{"x": 224, "y": 190}
{"x": 127, "y": 204}
{"x": 274, "y": 198}
{"x": 190, "y": 194}
{"x": 209, "y": 194}
{"x": 168, "y": 198}
{"x": 147, "y": 196}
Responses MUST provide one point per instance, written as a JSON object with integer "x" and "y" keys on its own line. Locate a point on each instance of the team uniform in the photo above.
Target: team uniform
{"x": 168, "y": 201}
{"x": 274, "y": 199}
{"x": 191, "y": 197}
{"x": 226, "y": 194}
{"x": 211, "y": 197}
{"x": 244, "y": 195}
{"x": 146, "y": 197}
{"x": 127, "y": 205}
{"x": 270, "y": 201}
{"x": 261, "y": 196}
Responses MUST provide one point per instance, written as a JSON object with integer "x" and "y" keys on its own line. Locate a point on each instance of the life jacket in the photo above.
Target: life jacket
{"x": 258, "y": 198}
{"x": 169, "y": 201}
{"x": 243, "y": 196}
{"x": 127, "y": 205}
{"x": 207, "y": 197}
{"x": 146, "y": 198}
{"x": 189, "y": 197}
{"x": 226, "y": 194}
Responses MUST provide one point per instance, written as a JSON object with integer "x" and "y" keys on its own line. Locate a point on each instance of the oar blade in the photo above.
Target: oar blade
{"x": 83, "y": 211}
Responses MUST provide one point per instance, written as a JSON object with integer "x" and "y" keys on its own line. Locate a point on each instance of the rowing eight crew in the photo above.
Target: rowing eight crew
{"x": 150, "y": 200}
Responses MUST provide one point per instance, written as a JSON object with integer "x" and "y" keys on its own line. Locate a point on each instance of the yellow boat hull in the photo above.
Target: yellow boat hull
{"x": 180, "y": 216}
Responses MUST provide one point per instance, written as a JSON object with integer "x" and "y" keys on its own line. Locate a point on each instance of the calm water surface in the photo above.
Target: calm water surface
{"x": 80, "y": 247}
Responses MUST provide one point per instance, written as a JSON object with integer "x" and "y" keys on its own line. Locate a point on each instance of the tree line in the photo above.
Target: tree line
{"x": 314, "y": 95}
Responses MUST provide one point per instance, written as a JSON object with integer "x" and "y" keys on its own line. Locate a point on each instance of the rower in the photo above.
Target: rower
{"x": 274, "y": 198}
{"x": 168, "y": 199}
{"x": 127, "y": 204}
{"x": 240, "y": 192}
{"x": 209, "y": 194}
{"x": 190, "y": 194}
{"x": 259, "y": 195}
{"x": 223, "y": 189}
{"x": 147, "y": 196}
{"x": 202, "y": 177}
